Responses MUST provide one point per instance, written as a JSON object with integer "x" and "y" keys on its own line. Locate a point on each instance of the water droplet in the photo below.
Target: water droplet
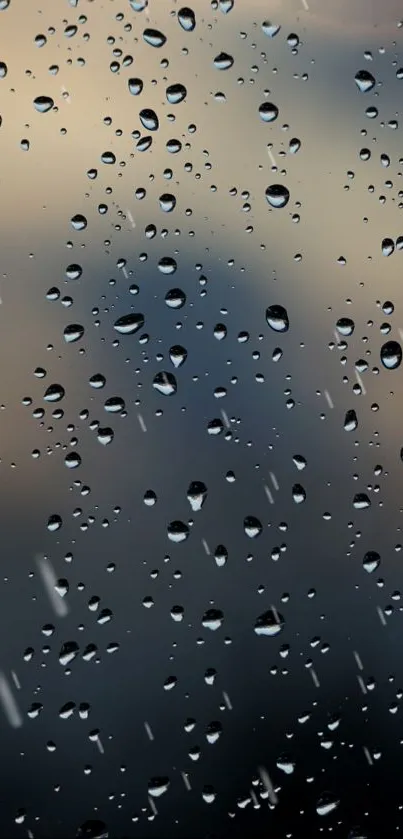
{"x": 79, "y": 222}
{"x": 175, "y": 298}
{"x": 73, "y": 332}
{"x": 165, "y": 383}
{"x": 270, "y": 623}
{"x": 212, "y": 619}
{"x": 129, "y": 324}
{"x": 149, "y": 119}
{"x": 361, "y": 501}
{"x": 196, "y": 495}
{"x": 176, "y": 93}
{"x": 252, "y": 526}
{"x": 268, "y": 112}
{"x": 223, "y": 61}
{"x": 68, "y": 653}
{"x": 93, "y": 829}
{"x": 135, "y": 86}
{"x": 345, "y": 326}
{"x": 167, "y": 202}
{"x": 277, "y": 196}
{"x": 350, "y": 421}
{"x": 43, "y": 104}
{"x": 187, "y": 19}
{"x": 371, "y": 561}
{"x": 270, "y": 29}
{"x": 54, "y": 522}
{"x": 105, "y": 436}
{"x": 388, "y": 246}
{"x": 167, "y": 265}
{"x": 72, "y": 460}
{"x": 178, "y": 355}
{"x": 391, "y": 355}
{"x": 154, "y": 37}
{"x": 157, "y": 786}
{"x": 326, "y": 804}
{"x": 298, "y": 494}
{"x": 74, "y": 272}
{"x": 364, "y": 81}
{"x": 277, "y": 318}
{"x": 54, "y": 393}
{"x": 178, "y": 531}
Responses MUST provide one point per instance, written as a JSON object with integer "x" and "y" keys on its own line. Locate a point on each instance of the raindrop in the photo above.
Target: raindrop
{"x": 178, "y": 531}
{"x": 157, "y": 786}
{"x": 178, "y": 355}
{"x": 277, "y": 318}
{"x": 350, "y": 421}
{"x": 79, "y": 222}
{"x": 326, "y": 804}
{"x": 54, "y": 393}
{"x": 68, "y": 653}
{"x": 364, "y": 81}
{"x": 43, "y": 104}
{"x": 129, "y": 324}
{"x": 165, "y": 383}
{"x": 54, "y": 522}
{"x": 298, "y": 494}
{"x": 93, "y": 829}
{"x": 277, "y": 196}
{"x": 73, "y": 332}
{"x": 154, "y": 37}
{"x": 212, "y": 619}
{"x": 223, "y": 61}
{"x": 135, "y": 86}
{"x": 196, "y": 495}
{"x": 187, "y": 19}
{"x": 270, "y": 623}
{"x": 268, "y": 112}
{"x": 252, "y": 526}
{"x": 270, "y": 29}
{"x": 176, "y": 93}
{"x": 175, "y": 298}
{"x": 74, "y": 272}
{"x": 388, "y": 247}
{"x": 345, "y": 326}
{"x": 167, "y": 202}
{"x": 149, "y": 119}
{"x": 361, "y": 501}
{"x": 391, "y": 355}
{"x": 72, "y": 460}
{"x": 371, "y": 561}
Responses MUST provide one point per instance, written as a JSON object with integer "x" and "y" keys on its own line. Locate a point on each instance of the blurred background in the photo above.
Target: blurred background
{"x": 200, "y": 438}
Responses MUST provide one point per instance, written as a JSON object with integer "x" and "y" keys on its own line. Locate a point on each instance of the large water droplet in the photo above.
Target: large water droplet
{"x": 73, "y": 332}
{"x": 270, "y": 29}
{"x": 54, "y": 393}
{"x": 371, "y": 561}
{"x": 187, "y": 19}
{"x": 157, "y": 786}
{"x": 223, "y": 61}
{"x": 165, "y": 383}
{"x": 277, "y": 318}
{"x": 268, "y": 112}
{"x": 196, "y": 495}
{"x": 154, "y": 37}
{"x": 326, "y": 804}
{"x": 149, "y": 119}
{"x": 43, "y": 104}
{"x": 135, "y": 86}
{"x": 391, "y": 355}
{"x": 178, "y": 531}
{"x": 252, "y": 526}
{"x": 176, "y": 93}
{"x": 129, "y": 324}
{"x": 212, "y": 619}
{"x": 364, "y": 81}
{"x": 270, "y": 623}
{"x": 277, "y": 196}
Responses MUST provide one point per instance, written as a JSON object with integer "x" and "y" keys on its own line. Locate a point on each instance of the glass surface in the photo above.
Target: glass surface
{"x": 201, "y": 330}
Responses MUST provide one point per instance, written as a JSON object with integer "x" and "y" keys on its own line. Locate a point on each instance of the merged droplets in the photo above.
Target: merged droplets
{"x": 43, "y": 104}
{"x": 364, "y": 81}
{"x": 129, "y": 324}
{"x": 270, "y": 623}
{"x": 278, "y": 196}
{"x": 391, "y": 355}
{"x": 277, "y": 318}
{"x": 165, "y": 383}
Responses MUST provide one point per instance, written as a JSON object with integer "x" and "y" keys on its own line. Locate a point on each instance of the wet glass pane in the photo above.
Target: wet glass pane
{"x": 201, "y": 445}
